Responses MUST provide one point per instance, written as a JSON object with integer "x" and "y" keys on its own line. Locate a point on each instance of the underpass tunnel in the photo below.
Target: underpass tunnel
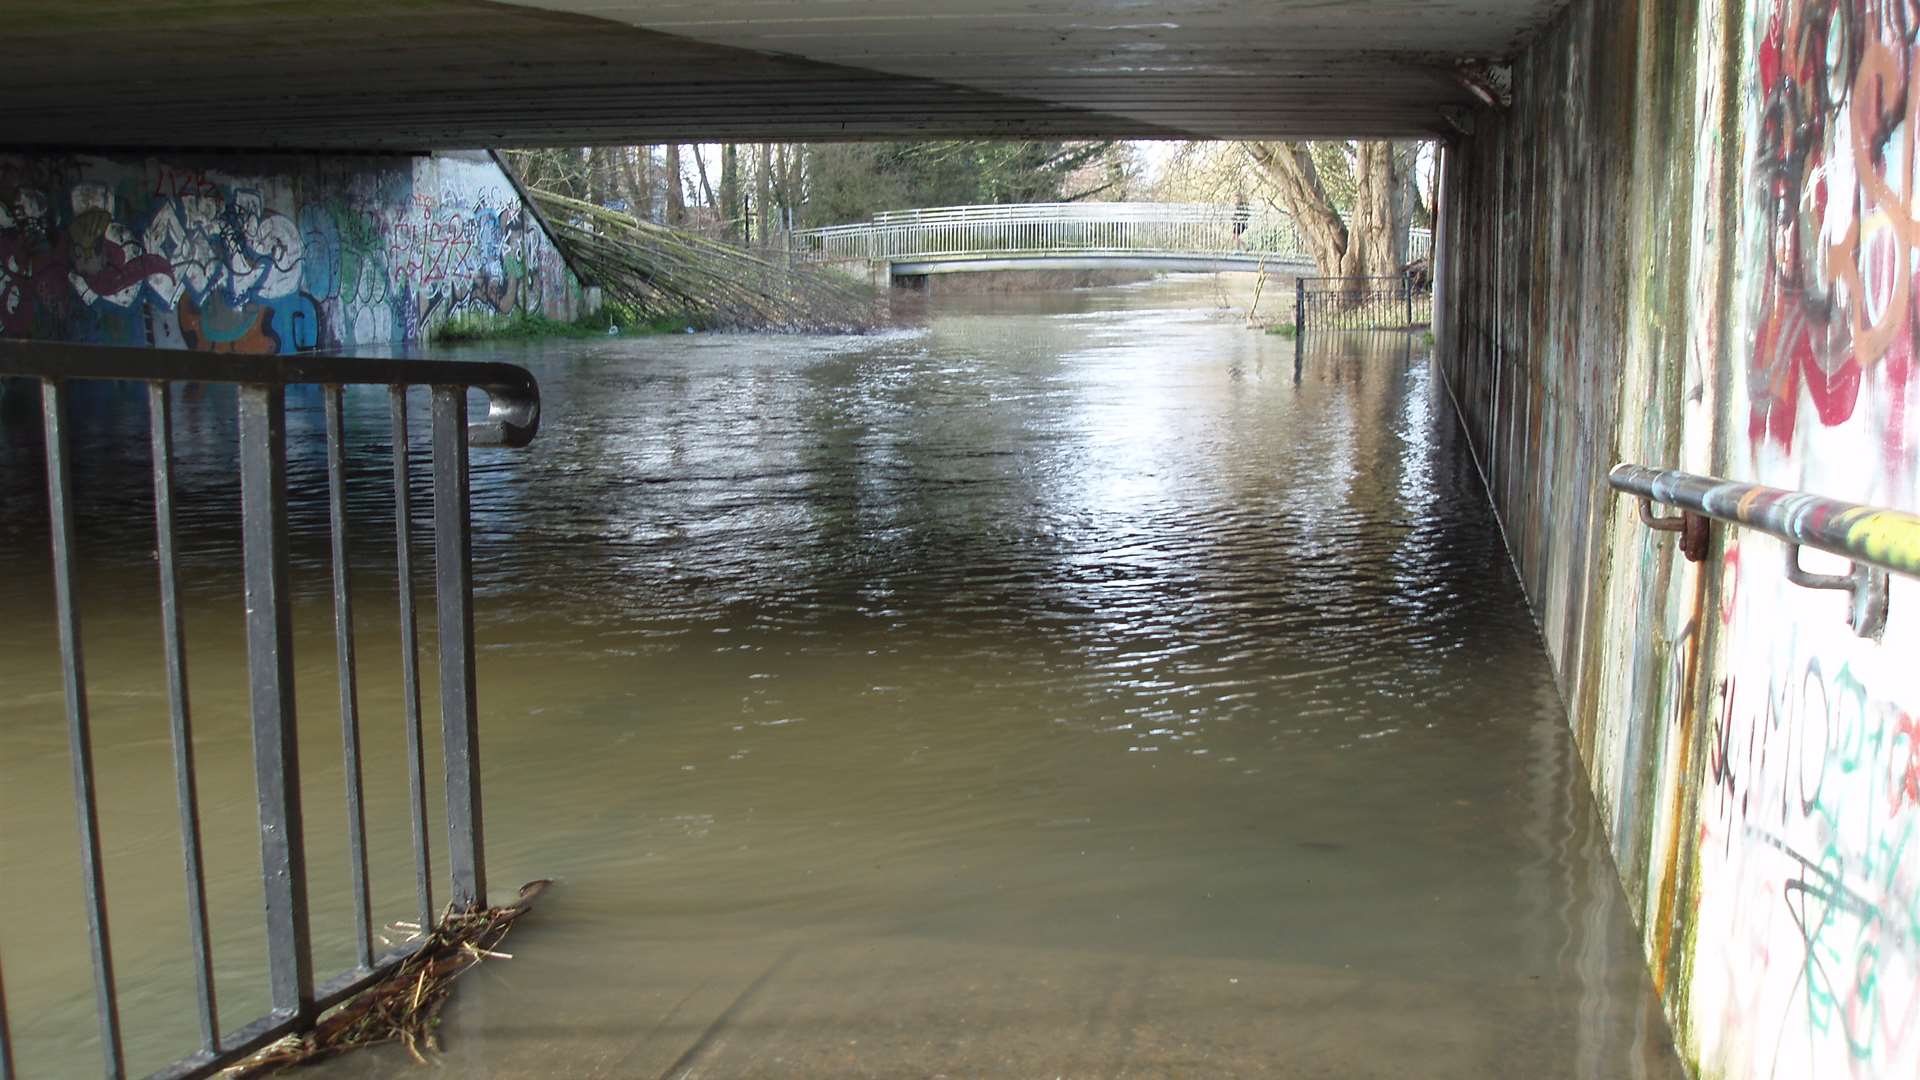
{"x": 984, "y": 576}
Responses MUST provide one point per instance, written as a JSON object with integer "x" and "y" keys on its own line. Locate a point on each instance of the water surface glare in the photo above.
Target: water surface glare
{"x": 1072, "y": 687}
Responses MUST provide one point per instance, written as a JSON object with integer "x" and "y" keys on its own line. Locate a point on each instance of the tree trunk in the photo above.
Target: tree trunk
{"x": 600, "y": 185}
{"x": 676, "y": 188}
{"x": 700, "y": 163}
{"x": 763, "y": 194}
{"x": 794, "y": 183}
{"x": 1406, "y": 196}
{"x": 648, "y": 208}
{"x": 1371, "y": 251}
{"x": 730, "y": 210}
{"x": 1290, "y": 167}
{"x": 1419, "y": 209}
{"x": 631, "y": 184}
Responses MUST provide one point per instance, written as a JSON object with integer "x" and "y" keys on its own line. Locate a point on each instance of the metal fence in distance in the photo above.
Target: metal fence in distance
{"x": 1361, "y": 303}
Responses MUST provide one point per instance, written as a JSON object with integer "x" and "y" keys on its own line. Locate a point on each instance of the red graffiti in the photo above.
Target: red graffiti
{"x": 1906, "y": 785}
{"x": 1729, "y": 583}
{"x": 1837, "y": 300}
{"x": 173, "y": 182}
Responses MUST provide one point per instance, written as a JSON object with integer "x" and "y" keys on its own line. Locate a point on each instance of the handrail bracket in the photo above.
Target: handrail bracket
{"x": 1692, "y": 528}
{"x": 1866, "y": 587}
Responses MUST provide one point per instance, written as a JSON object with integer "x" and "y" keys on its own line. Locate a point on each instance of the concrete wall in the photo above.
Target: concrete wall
{"x": 266, "y": 254}
{"x": 1691, "y": 242}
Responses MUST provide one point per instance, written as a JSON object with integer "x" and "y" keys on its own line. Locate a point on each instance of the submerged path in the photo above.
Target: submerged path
{"x": 1071, "y": 688}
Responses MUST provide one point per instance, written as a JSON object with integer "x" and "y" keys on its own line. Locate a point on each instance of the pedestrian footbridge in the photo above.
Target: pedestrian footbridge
{"x": 1202, "y": 237}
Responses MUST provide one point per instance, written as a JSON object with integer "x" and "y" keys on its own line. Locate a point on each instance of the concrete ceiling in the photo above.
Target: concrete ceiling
{"x": 344, "y": 74}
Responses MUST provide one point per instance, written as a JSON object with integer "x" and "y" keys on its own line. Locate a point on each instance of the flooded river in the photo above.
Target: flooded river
{"x": 1074, "y": 686}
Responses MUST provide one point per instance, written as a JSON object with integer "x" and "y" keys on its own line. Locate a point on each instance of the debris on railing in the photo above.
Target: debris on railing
{"x": 405, "y": 1005}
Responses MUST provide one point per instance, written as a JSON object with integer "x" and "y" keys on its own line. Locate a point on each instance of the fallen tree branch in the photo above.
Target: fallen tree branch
{"x": 661, "y": 271}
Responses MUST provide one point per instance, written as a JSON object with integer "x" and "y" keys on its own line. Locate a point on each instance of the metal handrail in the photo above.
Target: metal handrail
{"x": 513, "y": 398}
{"x": 1077, "y": 211}
{"x": 513, "y": 418}
{"x": 1876, "y": 540}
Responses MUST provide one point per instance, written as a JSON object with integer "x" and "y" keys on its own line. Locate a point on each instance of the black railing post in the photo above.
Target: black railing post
{"x": 1299, "y": 307}
{"x": 1407, "y": 280}
{"x": 348, "y": 671}
{"x": 6, "y": 1041}
{"x": 410, "y": 652}
{"x": 53, "y": 404}
{"x": 173, "y": 634}
{"x": 453, "y": 588}
{"x": 276, "y": 750}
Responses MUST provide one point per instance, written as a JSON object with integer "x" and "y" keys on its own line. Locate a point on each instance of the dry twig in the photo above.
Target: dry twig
{"x": 405, "y": 1005}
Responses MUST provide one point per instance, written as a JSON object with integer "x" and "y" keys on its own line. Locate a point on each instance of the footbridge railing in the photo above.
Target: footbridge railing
{"x": 1041, "y": 229}
{"x": 297, "y": 997}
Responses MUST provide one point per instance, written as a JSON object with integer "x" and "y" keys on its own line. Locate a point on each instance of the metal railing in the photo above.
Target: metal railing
{"x": 1876, "y": 540}
{"x": 1419, "y": 245}
{"x": 512, "y": 420}
{"x": 1070, "y": 229}
{"x": 1361, "y": 303}
{"x": 1058, "y": 228}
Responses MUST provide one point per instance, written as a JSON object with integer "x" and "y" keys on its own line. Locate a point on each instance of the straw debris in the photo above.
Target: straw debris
{"x": 404, "y": 1006}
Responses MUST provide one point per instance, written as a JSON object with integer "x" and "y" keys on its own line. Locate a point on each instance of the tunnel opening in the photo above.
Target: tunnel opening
{"x": 1668, "y": 549}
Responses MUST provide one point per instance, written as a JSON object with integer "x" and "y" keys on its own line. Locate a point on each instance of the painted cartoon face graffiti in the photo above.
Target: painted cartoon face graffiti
{"x": 158, "y": 254}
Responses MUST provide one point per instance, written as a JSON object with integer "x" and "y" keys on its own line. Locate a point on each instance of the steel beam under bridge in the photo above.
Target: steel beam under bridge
{"x": 335, "y": 74}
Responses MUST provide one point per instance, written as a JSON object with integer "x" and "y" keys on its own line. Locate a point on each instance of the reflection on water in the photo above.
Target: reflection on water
{"x": 1072, "y": 687}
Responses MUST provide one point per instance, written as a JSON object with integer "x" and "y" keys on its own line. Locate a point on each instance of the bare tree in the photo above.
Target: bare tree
{"x": 676, "y": 188}
{"x": 763, "y": 191}
{"x": 1372, "y": 243}
{"x": 730, "y": 214}
{"x": 637, "y": 190}
{"x": 700, "y": 163}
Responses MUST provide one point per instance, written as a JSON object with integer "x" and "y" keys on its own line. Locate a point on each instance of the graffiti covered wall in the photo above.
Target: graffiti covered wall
{"x": 275, "y": 254}
{"x": 1691, "y": 241}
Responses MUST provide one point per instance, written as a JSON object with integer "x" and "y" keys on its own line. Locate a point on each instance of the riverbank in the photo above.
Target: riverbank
{"x": 612, "y": 320}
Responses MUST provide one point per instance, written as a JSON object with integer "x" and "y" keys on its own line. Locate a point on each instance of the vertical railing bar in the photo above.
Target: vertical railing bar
{"x": 53, "y": 403}
{"x": 276, "y": 751}
{"x": 349, "y": 681}
{"x": 6, "y": 1040}
{"x": 410, "y": 652}
{"x": 173, "y": 634}
{"x": 453, "y": 596}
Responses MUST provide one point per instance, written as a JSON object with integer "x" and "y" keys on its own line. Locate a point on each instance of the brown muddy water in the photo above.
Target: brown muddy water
{"x": 1071, "y": 687}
